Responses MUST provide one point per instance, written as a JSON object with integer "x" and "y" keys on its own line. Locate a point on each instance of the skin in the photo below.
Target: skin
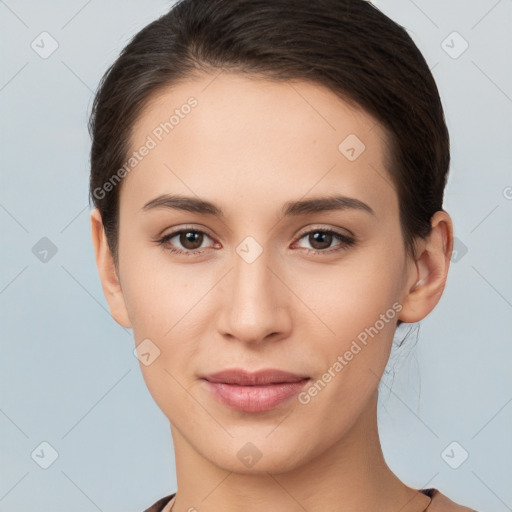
{"x": 249, "y": 147}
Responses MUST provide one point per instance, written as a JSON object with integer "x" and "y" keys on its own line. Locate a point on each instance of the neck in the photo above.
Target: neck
{"x": 352, "y": 474}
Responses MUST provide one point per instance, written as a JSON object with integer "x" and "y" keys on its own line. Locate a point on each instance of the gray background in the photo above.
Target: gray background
{"x": 68, "y": 376}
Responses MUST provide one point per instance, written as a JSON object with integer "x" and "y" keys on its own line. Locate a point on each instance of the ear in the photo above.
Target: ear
{"x": 432, "y": 262}
{"x": 108, "y": 272}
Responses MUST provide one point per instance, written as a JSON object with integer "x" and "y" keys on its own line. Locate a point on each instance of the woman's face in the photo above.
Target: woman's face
{"x": 260, "y": 285}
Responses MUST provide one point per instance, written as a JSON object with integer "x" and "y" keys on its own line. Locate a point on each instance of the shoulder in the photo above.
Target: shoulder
{"x": 441, "y": 503}
{"x": 159, "y": 505}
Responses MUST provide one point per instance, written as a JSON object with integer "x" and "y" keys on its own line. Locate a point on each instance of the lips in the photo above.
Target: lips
{"x": 254, "y": 392}
{"x": 258, "y": 378}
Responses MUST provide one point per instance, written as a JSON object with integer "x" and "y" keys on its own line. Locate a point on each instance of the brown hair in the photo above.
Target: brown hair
{"x": 348, "y": 46}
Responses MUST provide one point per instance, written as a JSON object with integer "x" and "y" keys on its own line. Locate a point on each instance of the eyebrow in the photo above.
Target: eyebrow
{"x": 291, "y": 208}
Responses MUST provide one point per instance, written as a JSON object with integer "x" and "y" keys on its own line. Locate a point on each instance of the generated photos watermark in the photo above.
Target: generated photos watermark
{"x": 157, "y": 135}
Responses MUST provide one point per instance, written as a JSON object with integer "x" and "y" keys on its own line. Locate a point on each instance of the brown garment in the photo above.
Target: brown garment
{"x": 160, "y": 504}
{"x": 439, "y": 503}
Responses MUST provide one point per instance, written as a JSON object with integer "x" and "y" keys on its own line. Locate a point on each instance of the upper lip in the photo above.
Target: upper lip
{"x": 260, "y": 377}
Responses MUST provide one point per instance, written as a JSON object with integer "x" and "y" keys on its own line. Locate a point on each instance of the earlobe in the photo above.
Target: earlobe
{"x": 432, "y": 264}
{"x": 107, "y": 271}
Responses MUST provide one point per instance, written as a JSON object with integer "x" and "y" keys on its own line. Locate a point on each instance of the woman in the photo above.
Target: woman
{"x": 268, "y": 181}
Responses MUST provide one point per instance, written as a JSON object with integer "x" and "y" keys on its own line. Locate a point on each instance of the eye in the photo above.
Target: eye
{"x": 191, "y": 241}
{"x": 321, "y": 241}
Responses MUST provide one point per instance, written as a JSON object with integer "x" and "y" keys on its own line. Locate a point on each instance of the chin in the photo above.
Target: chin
{"x": 258, "y": 457}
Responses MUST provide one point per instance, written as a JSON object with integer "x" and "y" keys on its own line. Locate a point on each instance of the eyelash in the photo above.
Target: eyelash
{"x": 345, "y": 242}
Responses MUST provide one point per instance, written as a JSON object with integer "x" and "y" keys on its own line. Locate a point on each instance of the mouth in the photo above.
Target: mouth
{"x": 254, "y": 392}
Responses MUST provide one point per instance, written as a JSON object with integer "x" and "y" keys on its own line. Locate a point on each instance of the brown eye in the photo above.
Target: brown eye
{"x": 191, "y": 239}
{"x": 320, "y": 240}
{"x": 324, "y": 241}
{"x": 187, "y": 242}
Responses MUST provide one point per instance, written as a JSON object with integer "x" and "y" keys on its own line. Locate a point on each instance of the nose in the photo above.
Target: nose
{"x": 258, "y": 304}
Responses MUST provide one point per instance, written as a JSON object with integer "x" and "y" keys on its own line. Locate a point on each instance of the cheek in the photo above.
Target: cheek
{"x": 170, "y": 306}
{"x": 358, "y": 311}
{"x": 158, "y": 296}
{"x": 167, "y": 310}
{"x": 356, "y": 314}
{"x": 346, "y": 299}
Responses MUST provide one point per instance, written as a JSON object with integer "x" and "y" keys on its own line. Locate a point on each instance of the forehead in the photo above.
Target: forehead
{"x": 229, "y": 135}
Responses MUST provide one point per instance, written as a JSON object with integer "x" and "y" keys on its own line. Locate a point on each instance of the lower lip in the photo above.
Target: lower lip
{"x": 255, "y": 398}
